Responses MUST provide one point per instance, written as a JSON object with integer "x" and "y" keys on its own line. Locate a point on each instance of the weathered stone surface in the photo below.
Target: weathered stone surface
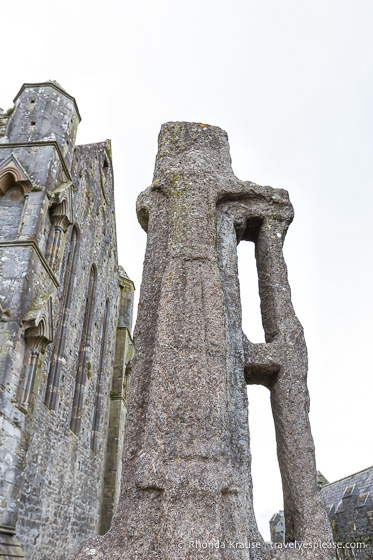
{"x": 4, "y": 118}
{"x": 186, "y": 464}
{"x": 65, "y": 320}
{"x": 10, "y": 547}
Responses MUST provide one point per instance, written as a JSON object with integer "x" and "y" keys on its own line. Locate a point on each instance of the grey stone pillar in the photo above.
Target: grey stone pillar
{"x": 118, "y": 402}
{"x": 186, "y": 483}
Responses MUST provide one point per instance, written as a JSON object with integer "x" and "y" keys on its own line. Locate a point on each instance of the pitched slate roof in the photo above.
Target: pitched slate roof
{"x": 359, "y": 484}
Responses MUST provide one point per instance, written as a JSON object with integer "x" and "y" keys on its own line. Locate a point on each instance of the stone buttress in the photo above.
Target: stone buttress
{"x": 186, "y": 484}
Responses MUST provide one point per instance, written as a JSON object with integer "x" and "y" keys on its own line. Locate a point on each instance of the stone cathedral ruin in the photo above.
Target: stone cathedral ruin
{"x": 66, "y": 311}
{"x": 66, "y": 314}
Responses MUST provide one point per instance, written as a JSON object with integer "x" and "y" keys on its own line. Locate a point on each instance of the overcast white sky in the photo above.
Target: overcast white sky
{"x": 291, "y": 82}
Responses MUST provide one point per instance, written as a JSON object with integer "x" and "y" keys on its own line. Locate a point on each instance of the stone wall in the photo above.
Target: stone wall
{"x": 4, "y": 118}
{"x": 66, "y": 314}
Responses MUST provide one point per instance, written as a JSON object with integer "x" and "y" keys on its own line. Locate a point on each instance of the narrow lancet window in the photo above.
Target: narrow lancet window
{"x": 84, "y": 353}
{"x": 99, "y": 389}
{"x": 57, "y": 360}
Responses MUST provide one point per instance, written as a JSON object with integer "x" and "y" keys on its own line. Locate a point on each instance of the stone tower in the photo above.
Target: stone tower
{"x": 65, "y": 330}
{"x": 187, "y": 490}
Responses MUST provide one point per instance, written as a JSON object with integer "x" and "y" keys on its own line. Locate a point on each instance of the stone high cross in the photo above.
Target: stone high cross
{"x": 186, "y": 466}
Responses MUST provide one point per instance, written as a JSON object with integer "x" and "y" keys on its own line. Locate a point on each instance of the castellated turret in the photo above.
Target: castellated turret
{"x": 65, "y": 330}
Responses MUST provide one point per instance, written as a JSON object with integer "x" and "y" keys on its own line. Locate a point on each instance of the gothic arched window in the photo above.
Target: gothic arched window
{"x": 12, "y": 200}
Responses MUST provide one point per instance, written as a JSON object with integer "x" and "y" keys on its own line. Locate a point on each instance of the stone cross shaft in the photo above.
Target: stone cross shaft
{"x": 186, "y": 467}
